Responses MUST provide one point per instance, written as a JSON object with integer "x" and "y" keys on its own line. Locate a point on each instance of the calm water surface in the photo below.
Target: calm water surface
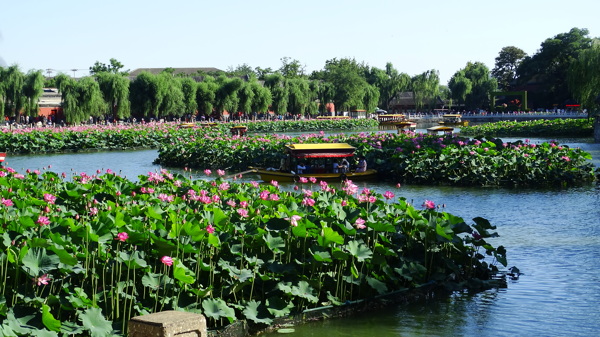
{"x": 552, "y": 236}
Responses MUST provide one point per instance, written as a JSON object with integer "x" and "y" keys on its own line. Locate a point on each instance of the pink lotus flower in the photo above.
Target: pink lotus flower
{"x": 388, "y": 195}
{"x": 221, "y": 172}
{"x": 44, "y": 279}
{"x": 207, "y": 172}
{"x": 274, "y": 183}
{"x": 43, "y": 221}
{"x": 308, "y": 202}
{"x": 429, "y": 204}
{"x": 49, "y": 198}
{"x": 360, "y": 223}
{"x": 122, "y": 237}
{"x": 242, "y": 212}
{"x": 167, "y": 260}
{"x": 294, "y": 220}
{"x": 210, "y": 229}
{"x": 7, "y": 202}
{"x": 312, "y": 179}
{"x": 264, "y": 195}
{"x": 303, "y": 180}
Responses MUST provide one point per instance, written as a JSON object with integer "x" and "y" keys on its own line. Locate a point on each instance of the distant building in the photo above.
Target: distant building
{"x": 405, "y": 102}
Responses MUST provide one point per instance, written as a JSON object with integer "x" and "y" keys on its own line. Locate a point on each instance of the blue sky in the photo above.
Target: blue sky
{"x": 414, "y": 36}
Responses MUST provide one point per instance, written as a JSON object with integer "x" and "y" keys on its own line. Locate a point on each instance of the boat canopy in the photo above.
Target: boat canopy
{"x": 327, "y": 150}
{"x": 452, "y": 116}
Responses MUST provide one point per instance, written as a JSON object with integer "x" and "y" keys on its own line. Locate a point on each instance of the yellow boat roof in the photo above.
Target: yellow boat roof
{"x": 440, "y": 128}
{"x": 323, "y": 146}
{"x": 452, "y": 115}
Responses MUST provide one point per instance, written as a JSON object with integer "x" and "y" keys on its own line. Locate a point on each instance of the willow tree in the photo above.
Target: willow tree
{"x": 2, "y": 93}
{"x": 115, "y": 90}
{"x": 389, "y": 82}
{"x": 460, "y": 86}
{"x": 189, "y": 88}
{"x": 584, "y": 83}
{"x": 262, "y": 97}
{"x": 300, "y": 96}
{"x": 90, "y": 100}
{"x": 426, "y": 88}
{"x": 14, "y": 81}
{"x": 279, "y": 91}
{"x": 145, "y": 95}
{"x": 324, "y": 92}
{"x": 246, "y": 97}
{"x": 205, "y": 95}
{"x": 226, "y": 96}
{"x": 584, "y": 78}
{"x": 170, "y": 88}
{"x": 33, "y": 87}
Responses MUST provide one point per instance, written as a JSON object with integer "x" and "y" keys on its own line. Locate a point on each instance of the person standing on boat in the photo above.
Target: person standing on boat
{"x": 362, "y": 165}
{"x": 300, "y": 168}
{"x": 344, "y": 166}
{"x": 336, "y": 167}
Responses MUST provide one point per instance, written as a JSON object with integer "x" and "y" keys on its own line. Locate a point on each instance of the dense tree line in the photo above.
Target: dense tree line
{"x": 563, "y": 69}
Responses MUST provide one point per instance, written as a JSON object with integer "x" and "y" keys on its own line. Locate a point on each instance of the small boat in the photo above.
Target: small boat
{"x": 238, "y": 130}
{"x": 2, "y": 156}
{"x": 315, "y": 160}
{"x": 406, "y": 125}
{"x": 437, "y": 129}
{"x": 453, "y": 119}
{"x": 390, "y": 119}
{"x": 187, "y": 125}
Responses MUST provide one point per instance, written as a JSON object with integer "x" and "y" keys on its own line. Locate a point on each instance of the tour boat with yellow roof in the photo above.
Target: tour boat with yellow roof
{"x": 326, "y": 161}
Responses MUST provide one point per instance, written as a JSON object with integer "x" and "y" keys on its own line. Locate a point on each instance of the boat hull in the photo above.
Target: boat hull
{"x": 268, "y": 175}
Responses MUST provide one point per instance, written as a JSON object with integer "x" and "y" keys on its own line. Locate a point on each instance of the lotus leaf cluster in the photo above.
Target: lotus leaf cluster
{"x": 536, "y": 128}
{"x": 81, "y": 255}
{"x": 144, "y": 135}
{"x": 406, "y": 157}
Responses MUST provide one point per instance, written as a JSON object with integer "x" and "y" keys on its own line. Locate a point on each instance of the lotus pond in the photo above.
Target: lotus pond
{"x": 552, "y": 235}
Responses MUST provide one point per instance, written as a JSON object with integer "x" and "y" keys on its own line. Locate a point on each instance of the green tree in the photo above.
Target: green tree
{"x": 242, "y": 70}
{"x": 481, "y": 84}
{"x": 279, "y": 92}
{"x": 460, "y": 86}
{"x": 113, "y": 67}
{"x": 145, "y": 95}
{"x": 172, "y": 99}
{"x": 389, "y": 82}
{"x": 507, "y": 63}
{"x": 548, "y": 67}
{"x": 262, "y": 96}
{"x": 226, "y": 95}
{"x": 81, "y": 99}
{"x": 300, "y": 96}
{"x": 189, "y": 88}
{"x": 115, "y": 90}
{"x": 349, "y": 82}
{"x": 291, "y": 68}
{"x": 206, "y": 95}
{"x": 584, "y": 77}
{"x": 426, "y": 88}
{"x": 33, "y": 87}
{"x": 13, "y": 81}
